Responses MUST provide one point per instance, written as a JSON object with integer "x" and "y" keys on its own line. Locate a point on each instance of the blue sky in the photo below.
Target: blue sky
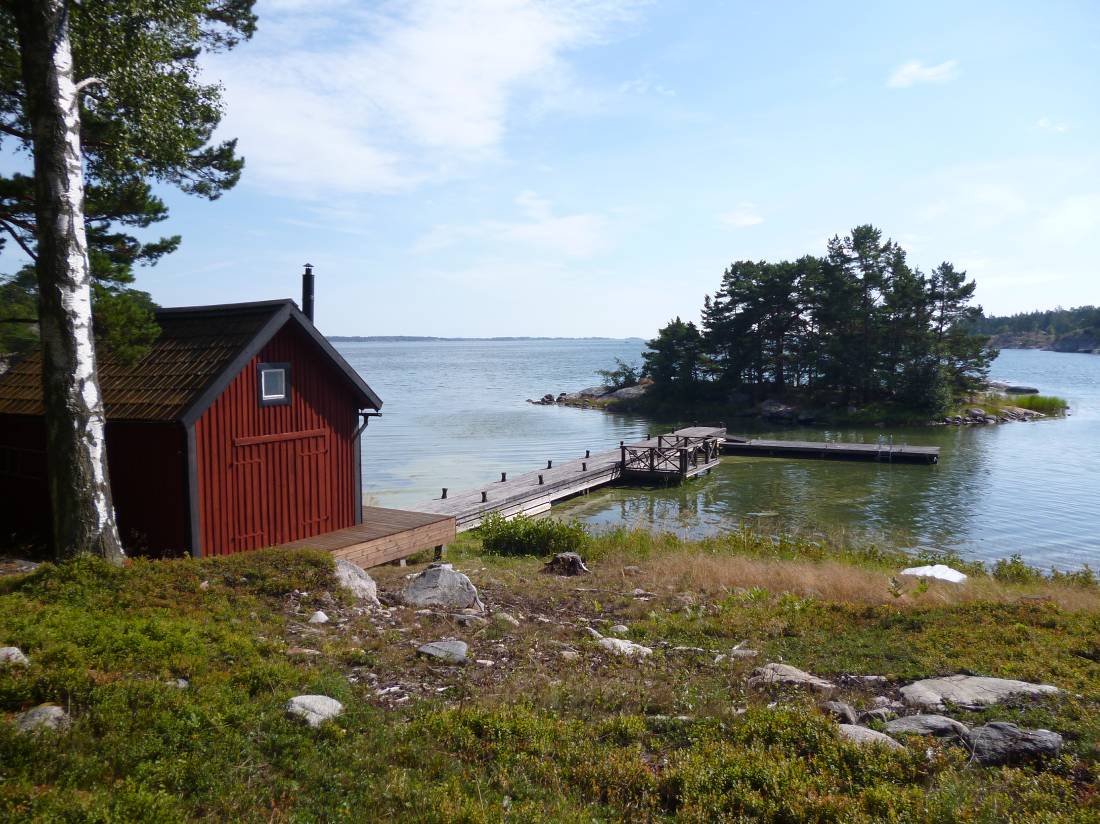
{"x": 589, "y": 167}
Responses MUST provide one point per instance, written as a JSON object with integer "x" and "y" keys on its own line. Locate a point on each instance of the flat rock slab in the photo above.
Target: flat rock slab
{"x": 938, "y": 725}
{"x": 940, "y": 572}
{"x": 314, "y": 709}
{"x": 13, "y": 655}
{"x": 969, "y": 691}
{"x": 784, "y": 675}
{"x": 43, "y": 717}
{"x": 867, "y": 738}
{"x": 451, "y": 652}
{"x": 620, "y": 646}
{"x": 1002, "y": 743}
{"x": 355, "y": 580}
{"x": 440, "y": 585}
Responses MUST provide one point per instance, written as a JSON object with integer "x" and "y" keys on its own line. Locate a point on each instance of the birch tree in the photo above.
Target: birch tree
{"x": 152, "y": 119}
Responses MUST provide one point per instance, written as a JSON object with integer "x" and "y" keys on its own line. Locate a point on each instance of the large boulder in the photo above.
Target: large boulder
{"x": 1000, "y": 742}
{"x": 43, "y": 717}
{"x": 629, "y": 393}
{"x": 440, "y": 585}
{"x": 784, "y": 675}
{"x": 840, "y": 711}
{"x": 969, "y": 691}
{"x": 355, "y": 580}
{"x": 449, "y": 652}
{"x": 314, "y": 709}
{"x": 865, "y": 737}
{"x": 938, "y": 725}
{"x": 587, "y": 393}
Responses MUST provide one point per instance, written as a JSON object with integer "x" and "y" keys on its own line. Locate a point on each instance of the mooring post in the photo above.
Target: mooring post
{"x": 540, "y": 480}
{"x": 549, "y": 464}
{"x": 444, "y": 496}
{"x": 683, "y": 462}
{"x": 622, "y": 450}
{"x": 588, "y": 453}
{"x": 584, "y": 466}
{"x": 484, "y": 496}
{"x": 503, "y": 477}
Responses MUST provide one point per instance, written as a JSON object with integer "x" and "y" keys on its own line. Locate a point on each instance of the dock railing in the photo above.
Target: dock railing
{"x": 672, "y": 454}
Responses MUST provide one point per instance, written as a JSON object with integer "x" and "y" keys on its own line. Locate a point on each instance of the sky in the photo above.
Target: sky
{"x": 590, "y": 167}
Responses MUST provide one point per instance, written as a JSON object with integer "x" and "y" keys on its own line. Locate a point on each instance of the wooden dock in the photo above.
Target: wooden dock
{"x": 385, "y": 535}
{"x": 885, "y": 453}
{"x": 668, "y": 458}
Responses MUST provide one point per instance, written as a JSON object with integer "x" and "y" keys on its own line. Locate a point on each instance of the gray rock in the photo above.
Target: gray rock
{"x": 629, "y": 393}
{"x": 42, "y": 717}
{"x": 314, "y": 709}
{"x": 867, "y": 738}
{"x": 318, "y": 618}
{"x": 878, "y": 714}
{"x": 629, "y": 649}
{"x": 570, "y": 654}
{"x": 355, "y": 580}
{"x": 938, "y": 725}
{"x": 838, "y": 710}
{"x": 178, "y": 683}
{"x": 775, "y": 410}
{"x": 441, "y": 586}
{"x": 787, "y": 676}
{"x": 619, "y": 629}
{"x": 969, "y": 691}
{"x": 464, "y": 620}
{"x": 450, "y": 652}
{"x": 1002, "y": 743}
{"x": 588, "y": 392}
{"x": 13, "y": 656}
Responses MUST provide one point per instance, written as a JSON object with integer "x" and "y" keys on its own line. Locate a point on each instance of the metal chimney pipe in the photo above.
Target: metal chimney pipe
{"x": 307, "y": 292}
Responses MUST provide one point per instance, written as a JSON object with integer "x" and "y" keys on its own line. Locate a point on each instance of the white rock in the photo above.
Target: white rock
{"x": 13, "y": 655}
{"x": 315, "y": 709}
{"x": 939, "y": 571}
{"x": 485, "y": 662}
{"x": 355, "y": 580}
{"x": 570, "y": 654}
{"x": 441, "y": 586}
{"x": 505, "y": 618}
{"x": 786, "y": 675}
{"x": 318, "y": 618}
{"x": 971, "y": 691}
{"x": 620, "y": 646}
{"x": 865, "y": 737}
{"x": 42, "y": 717}
{"x": 620, "y": 629}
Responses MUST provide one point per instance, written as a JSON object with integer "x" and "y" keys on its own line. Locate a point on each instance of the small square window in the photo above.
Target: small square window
{"x": 274, "y": 384}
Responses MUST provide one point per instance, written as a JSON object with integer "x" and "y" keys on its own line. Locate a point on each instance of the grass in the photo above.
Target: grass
{"x": 996, "y": 404}
{"x": 536, "y": 735}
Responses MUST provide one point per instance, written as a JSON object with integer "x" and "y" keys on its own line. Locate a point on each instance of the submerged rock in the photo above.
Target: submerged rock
{"x": 787, "y": 676}
{"x": 355, "y": 580}
{"x": 441, "y": 586}
{"x": 42, "y": 717}
{"x": 314, "y": 709}
{"x": 867, "y": 738}
{"x": 939, "y": 571}
{"x": 970, "y": 691}
{"x": 450, "y": 652}
{"x": 1000, "y": 742}
{"x": 938, "y": 725}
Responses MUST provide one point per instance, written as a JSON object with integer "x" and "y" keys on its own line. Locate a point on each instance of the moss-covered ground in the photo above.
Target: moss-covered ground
{"x": 535, "y": 735}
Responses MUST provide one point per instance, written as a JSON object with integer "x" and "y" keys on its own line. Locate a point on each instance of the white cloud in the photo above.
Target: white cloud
{"x": 742, "y": 216}
{"x": 577, "y": 236}
{"x": 915, "y": 73}
{"x": 385, "y": 96}
{"x": 1047, "y": 125}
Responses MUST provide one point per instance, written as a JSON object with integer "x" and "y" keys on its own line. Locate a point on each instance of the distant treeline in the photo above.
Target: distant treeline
{"x": 859, "y": 325}
{"x": 1052, "y": 322}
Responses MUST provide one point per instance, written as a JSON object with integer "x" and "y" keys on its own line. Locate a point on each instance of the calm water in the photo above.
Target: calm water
{"x": 455, "y": 416}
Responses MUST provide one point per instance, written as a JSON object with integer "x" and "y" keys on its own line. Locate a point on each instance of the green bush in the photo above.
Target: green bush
{"x": 1013, "y": 570}
{"x": 531, "y": 536}
{"x": 1047, "y": 404}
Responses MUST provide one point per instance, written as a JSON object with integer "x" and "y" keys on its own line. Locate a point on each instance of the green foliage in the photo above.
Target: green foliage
{"x": 1013, "y": 570}
{"x": 622, "y": 376}
{"x": 858, "y": 325}
{"x": 1047, "y": 404}
{"x": 522, "y": 535}
{"x": 150, "y": 121}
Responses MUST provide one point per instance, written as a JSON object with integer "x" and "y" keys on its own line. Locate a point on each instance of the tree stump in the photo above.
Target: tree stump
{"x": 566, "y": 563}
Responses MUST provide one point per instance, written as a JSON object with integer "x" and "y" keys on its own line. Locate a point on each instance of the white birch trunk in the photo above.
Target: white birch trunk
{"x": 80, "y": 495}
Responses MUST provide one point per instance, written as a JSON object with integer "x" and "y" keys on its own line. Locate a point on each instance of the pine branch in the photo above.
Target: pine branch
{"x": 22, "y": 244}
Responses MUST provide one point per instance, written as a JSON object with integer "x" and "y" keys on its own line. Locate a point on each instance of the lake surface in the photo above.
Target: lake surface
{"x": 455, "y": 415}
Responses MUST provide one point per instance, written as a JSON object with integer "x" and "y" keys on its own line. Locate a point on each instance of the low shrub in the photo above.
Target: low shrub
{"x": 531, "y": 536}
{"x": 1013, "y": 570}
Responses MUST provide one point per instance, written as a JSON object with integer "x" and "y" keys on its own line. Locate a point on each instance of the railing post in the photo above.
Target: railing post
{"x": 683, "y": 462}
{"x": 444, "y": 496}
{"x": 622, "y": 459}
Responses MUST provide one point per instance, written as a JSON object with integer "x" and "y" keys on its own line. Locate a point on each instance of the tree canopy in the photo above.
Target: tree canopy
{"x": 859, "y": 325}
{"x": 147, "y": 118}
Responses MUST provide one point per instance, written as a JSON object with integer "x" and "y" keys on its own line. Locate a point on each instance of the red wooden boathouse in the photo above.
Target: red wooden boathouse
{"x": 239, "y": 429}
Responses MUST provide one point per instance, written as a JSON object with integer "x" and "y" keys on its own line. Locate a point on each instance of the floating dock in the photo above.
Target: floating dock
{"x": 886, "y": 453}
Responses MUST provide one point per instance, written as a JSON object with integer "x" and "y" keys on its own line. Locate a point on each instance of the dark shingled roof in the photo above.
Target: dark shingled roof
{"x": 199, "y": 351}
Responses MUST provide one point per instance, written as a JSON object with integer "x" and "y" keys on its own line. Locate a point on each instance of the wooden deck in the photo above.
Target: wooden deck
{"x": 886, "y": 453}
{"x": 385, "y": 535}
{"x": 531, "y": 493}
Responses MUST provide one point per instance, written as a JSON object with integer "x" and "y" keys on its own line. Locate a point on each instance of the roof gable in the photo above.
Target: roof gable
{"x": 199, "y": 351}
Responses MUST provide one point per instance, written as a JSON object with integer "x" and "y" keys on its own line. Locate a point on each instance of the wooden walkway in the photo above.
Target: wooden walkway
{"x": 385, "y": 535}
{"x": 887, "y": 453}
{"x": 656, "y": 460}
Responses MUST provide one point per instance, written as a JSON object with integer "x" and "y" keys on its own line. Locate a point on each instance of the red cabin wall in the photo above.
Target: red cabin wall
{"x": 267, "y": 475}
{"x": 147, "y": 466}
